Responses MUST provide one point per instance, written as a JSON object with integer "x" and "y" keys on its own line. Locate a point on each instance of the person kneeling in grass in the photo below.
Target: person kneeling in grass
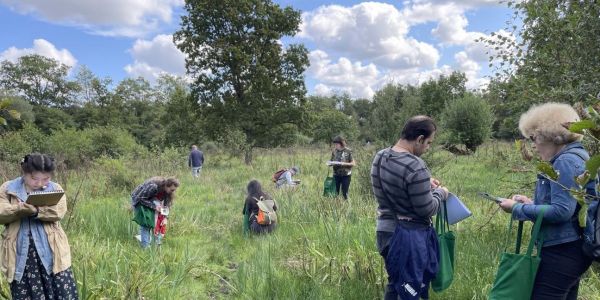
{"x": 251, "y": 208}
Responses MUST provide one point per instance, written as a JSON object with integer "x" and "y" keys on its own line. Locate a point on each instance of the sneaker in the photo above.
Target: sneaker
{"x": 139, "y": 238}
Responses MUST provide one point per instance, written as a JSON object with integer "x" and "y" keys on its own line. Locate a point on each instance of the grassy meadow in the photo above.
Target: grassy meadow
{"x": 323, "y": 249}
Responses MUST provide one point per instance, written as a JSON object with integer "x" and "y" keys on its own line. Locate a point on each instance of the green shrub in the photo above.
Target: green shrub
{"x": 72, "y": 146}
{"x": 119, "y": 177}
{"x": 13, "y": 147}
{"x": 111, "y": 141}
{"x": 468, "y": 121}
{"x": 209, "y": 147}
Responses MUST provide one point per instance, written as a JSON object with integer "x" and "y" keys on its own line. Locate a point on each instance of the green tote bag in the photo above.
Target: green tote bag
{"x": 144, "y": 216}
{"x": 516, "y": 272}
{"x": 329, "y": 187}
{"x": 446, "y": 241}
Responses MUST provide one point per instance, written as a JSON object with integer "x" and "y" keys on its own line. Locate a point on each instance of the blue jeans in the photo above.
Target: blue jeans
{"x": 196, "y": 171}
{"x": 146, "y": 235}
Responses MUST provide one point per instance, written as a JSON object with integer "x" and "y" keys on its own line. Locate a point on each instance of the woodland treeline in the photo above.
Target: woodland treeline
{"x": 244, "y": 90}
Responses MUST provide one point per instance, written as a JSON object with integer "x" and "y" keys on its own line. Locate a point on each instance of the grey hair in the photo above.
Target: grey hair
{"x": 547, "y": 122}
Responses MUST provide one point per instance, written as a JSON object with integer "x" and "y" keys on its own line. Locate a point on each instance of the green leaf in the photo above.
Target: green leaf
{"x": 545, "y": 167}
{"x": 578, "y": 127}
{"x": 3, "y": 122}
{"x": 15, "y": 114}
{"x": 580, "y": 197}
{"x": 583, "y": 179}
{"x": 592, "y": 165}
{"x": 4, "y": 103}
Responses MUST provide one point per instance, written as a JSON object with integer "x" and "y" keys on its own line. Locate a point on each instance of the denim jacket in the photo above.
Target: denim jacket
{"x": 560, "y": 219}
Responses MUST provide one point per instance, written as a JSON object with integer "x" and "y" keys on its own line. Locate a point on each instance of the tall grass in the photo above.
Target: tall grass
{"x": 323, "y": 248}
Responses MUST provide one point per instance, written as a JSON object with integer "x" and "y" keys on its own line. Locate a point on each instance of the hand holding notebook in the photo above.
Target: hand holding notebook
{"x": 48, "y": 198}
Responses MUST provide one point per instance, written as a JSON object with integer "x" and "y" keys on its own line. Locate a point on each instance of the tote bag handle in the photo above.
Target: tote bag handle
{"x": 535, "y": 234}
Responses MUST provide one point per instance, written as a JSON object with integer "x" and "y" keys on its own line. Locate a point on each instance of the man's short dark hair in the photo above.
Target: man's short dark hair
{"x": 417, "y": 126}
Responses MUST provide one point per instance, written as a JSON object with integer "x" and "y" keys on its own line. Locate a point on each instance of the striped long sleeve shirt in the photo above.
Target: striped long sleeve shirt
{"x": 401, "y": 184}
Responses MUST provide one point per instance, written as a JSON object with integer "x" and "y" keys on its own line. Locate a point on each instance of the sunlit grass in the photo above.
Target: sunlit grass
{"x": 323, "y": 248}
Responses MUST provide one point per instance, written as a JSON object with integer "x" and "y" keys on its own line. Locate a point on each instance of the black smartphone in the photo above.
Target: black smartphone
{"x": 490, "y": 197}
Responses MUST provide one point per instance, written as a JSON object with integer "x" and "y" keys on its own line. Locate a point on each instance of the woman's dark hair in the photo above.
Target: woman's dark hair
{"x": 36, "y": 162}
{"x": 417, "y": 126}
{"x": 254, "y": 189}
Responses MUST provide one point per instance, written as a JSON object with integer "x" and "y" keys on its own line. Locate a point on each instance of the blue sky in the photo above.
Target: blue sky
{"x": 355, "y": 47}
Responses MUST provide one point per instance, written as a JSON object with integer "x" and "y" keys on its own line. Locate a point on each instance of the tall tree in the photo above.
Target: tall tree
{"x": 40, "y": 80}
{"x": 439, "y": 92}
{"x": 244, "y": 80}
{"x": 557, "y": 57}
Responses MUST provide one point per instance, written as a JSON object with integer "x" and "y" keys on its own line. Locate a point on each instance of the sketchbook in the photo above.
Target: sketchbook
{"x": 457, "y": 211}
{"x": 48, "y": 198}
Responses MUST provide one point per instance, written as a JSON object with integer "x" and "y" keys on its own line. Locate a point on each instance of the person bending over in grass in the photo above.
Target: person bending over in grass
{"x": 407, "y": 198}
{"x": 285, "y": 179}
{"x": 563, "y": 261}
{"x": 35, "y": 257}
{"x": 251, "y": 208}
{"x": 154, "y": 195}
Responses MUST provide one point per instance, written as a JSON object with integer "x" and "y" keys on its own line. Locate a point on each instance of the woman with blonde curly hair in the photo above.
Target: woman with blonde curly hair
{"x": 562, "y": 260}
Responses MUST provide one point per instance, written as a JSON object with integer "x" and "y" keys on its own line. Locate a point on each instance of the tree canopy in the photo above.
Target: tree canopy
{"x": 244, "y": 79}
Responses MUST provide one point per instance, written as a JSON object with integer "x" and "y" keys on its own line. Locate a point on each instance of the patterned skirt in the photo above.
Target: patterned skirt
{"x": 36, "y": 284}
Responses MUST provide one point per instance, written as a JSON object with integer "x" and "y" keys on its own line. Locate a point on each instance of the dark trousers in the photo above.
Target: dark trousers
{"x": 560, "y": 271}
{"x": 344, "y": 183}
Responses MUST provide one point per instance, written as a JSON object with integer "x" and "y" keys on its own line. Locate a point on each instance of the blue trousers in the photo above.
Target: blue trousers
{"x": 411, "y": 260}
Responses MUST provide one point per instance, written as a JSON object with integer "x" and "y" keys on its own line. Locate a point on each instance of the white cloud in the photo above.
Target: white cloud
{"x": 369, "y": 30}
{"x": 109, "y": 17}
{"x": 414, "y": 76}
{"x": 40, "y": 47}
{"x": 155, "y": 57}
{"x": 342, "y": 76}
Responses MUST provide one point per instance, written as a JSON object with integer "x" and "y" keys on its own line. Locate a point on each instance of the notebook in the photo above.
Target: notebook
{"x": 48, "y": 198}
{"x": 457, "y": 211}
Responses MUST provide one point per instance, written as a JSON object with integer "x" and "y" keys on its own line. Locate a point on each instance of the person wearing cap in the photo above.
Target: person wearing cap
{"x": 285, "y": 179}
{"x": 342, "y": 163}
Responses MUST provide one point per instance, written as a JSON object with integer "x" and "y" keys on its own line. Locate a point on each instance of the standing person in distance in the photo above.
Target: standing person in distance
{"x": 341, "y": 156}
{"x": 147, "y": 201}
{"x": 407, "y": 198}
{"x": 195, "y": 161}
{"x": 562, "y": 259}
{"x": 35, "y": 256}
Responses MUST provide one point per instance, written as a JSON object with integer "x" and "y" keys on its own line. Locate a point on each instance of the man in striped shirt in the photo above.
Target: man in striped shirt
{"x": 408, "y": 197}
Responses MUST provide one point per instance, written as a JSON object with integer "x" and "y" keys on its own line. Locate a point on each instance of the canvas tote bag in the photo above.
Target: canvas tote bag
{"x": 446, "y": 241}
{"x": 516, "y": 272}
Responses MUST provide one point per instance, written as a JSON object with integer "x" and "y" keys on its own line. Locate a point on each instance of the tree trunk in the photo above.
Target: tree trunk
{"x": 248, "y": 156}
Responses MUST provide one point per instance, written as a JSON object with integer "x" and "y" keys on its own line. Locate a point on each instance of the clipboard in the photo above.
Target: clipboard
{"x": 44, "y": 198}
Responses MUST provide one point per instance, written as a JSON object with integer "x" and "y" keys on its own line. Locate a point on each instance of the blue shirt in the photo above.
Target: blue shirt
{"x": 196, "y": 159}
{"x": 560, "y": 223}
{"x": 30, "y": 226}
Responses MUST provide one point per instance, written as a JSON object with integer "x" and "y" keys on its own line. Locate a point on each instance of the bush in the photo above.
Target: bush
{"x": 119, "y": 177}
{"x": 467, "y": 120}
{"x": 112, "y": 142}
{"x": 72, "y": 146}
{"x": 13, "y": 147}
